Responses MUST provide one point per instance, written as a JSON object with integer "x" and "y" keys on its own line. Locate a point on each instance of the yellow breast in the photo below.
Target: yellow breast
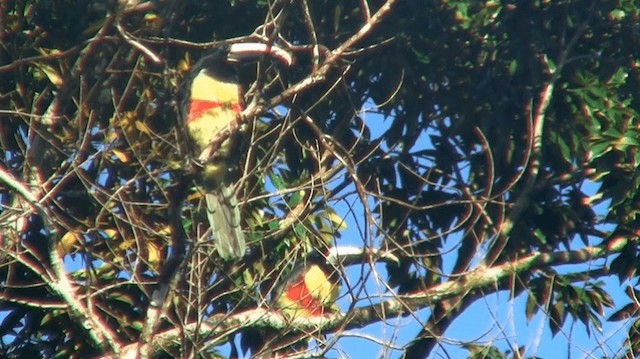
{"x": 206, "y": 126}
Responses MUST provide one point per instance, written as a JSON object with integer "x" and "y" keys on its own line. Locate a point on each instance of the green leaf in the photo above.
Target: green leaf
{"x": 617, "y": 15}
{"x": 531, "y": 307}
{"x": 513, "y": 67}
{"x": 599, "y": 149}
{"x": 277, "y": 182}
{"x": 557, "y": 316}
{"x": 300, "y": 230}
{"x": 295, "y": 199}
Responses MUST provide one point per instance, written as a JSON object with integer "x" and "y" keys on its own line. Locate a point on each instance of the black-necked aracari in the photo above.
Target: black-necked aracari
{"x": 211, "y": 101}
{"x": 310, "y": 290}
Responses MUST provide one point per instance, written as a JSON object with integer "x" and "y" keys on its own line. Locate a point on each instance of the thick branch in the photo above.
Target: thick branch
{"x": 483, "y": 278}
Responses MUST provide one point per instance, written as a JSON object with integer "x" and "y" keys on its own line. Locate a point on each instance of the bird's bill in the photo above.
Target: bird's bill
{"x": 241, "y": 51}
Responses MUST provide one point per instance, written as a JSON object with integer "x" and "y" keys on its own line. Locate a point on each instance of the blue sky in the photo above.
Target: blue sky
{"x": 492, "y": 320}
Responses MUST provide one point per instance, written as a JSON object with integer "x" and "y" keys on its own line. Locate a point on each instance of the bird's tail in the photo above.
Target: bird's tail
{"x": 224, "y": 218}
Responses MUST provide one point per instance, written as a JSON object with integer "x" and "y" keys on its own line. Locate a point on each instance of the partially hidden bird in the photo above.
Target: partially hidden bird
{"x": 212, "y": 101}
{"x": 310, "y": 290}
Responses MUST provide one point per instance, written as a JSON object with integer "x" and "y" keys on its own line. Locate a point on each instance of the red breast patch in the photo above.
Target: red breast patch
{"x": 198, "y": 107}
{"x": 300, "y": 294}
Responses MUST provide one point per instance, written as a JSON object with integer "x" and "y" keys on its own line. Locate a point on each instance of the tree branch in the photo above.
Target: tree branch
{"x": 397, "y": 305}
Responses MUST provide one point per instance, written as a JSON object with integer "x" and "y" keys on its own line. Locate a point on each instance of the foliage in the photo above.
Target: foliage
{"x": 463, "y": 147}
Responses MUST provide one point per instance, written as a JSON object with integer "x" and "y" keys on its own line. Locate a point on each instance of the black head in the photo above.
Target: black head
{"x": 218, "y": 63}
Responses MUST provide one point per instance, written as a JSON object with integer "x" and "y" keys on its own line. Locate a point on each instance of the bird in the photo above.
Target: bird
{"x": 211, "y": 101}
{"x": 310, "y": 290}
